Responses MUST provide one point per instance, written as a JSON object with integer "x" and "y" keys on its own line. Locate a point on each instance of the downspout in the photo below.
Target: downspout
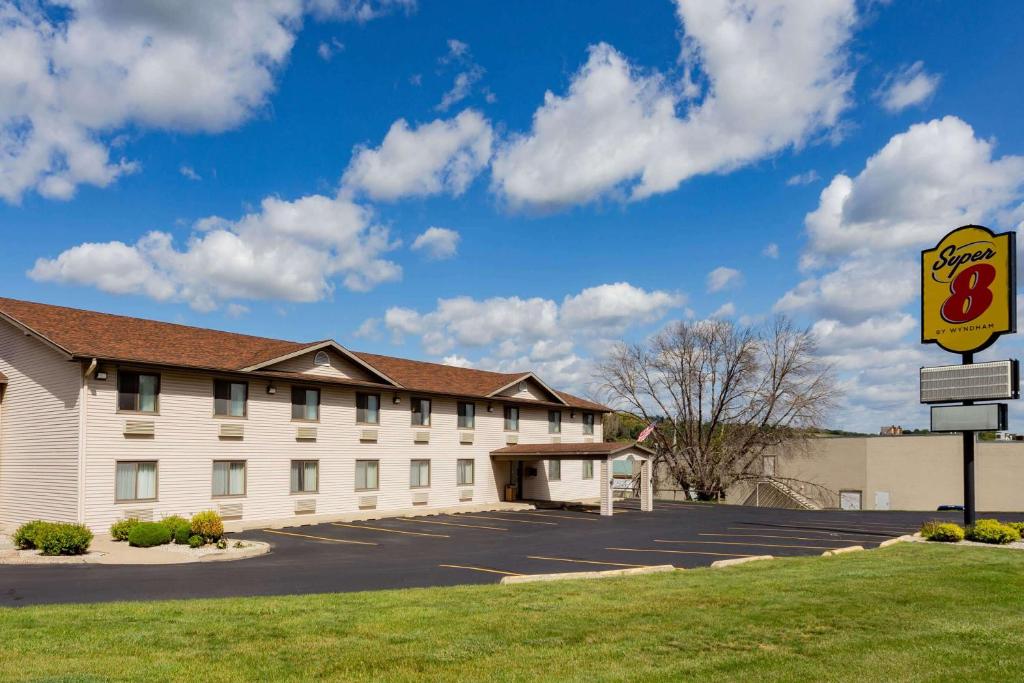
{"x": 83, "y": 425}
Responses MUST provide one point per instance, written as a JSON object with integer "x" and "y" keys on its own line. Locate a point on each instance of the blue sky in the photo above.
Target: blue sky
{"x": 595, "y": 169}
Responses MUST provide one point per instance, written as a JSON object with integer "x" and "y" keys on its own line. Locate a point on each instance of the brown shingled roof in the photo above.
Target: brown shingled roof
{"x": 88, "y": 334}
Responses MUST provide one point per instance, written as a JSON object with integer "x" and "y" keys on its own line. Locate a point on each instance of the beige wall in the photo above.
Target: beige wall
{"x": 39, "y": 439}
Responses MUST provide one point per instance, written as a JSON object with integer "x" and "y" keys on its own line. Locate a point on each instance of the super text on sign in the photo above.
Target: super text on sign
{"x": 968, "y": 287}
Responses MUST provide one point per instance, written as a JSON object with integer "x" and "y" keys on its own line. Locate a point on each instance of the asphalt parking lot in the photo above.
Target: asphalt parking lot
{"x": 470, "y": 548}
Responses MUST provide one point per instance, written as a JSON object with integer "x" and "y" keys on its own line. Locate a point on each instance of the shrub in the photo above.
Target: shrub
{"x": 222, "y": 544}
{"x": 1017, "y": 526}
{"x": 27, "y": 535}
{"x": 929, "y": 527}
{"x": 182, "y": 534}
{"x": 196, "y": 541}
{"x": 946, "y": 533}
{"x": 119, "y": 530}
{"x": 64, "y": 539}
{"x": 992, "y": 531}
{"x": 208, "y": 525}
{"x": 178, "y": 526}
{"x": 149, "y": 534}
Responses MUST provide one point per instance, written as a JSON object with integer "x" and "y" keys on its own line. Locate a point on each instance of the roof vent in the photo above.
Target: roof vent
{"x": 321, "y": 358}
{"x": 522, "y": 386}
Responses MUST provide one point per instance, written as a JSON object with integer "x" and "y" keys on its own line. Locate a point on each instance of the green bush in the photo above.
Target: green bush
{"x": 208, "y": 525}
{"x": 27, "y": 535}
{"x": 149, "y": 534}
{"x": 178, "y": 526}
{"x": 992, "y": 531}
{"x": 945, "y": 533}
{"x": 1018, "y": 526}
{"x": 196, "y": 541}
{"x": 182, "y": 534}
{"x": 120, "y": 529}
{"x": 929, "y": 527}
{"x": 64, "y": 539}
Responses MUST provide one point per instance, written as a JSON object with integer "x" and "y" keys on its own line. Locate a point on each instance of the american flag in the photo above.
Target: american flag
{"x": 646, "y": 433}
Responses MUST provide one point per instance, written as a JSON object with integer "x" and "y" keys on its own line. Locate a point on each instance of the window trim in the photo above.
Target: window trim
{"x": 302, "y": 492}
{"x": 319, "y": 402}
{"x": 415, "y": 400}
{"x": 519, "y": 414}
{"x": 583, "y": 422}
{"x": 551, "y": 429}
{"x": 325, "y": 356}
{"x": 159, "y": 386}
{"x": 364, "y": 422}
{"x": 458, "y": 407}
{"x": 355, "y": 472}
{"x": 587, "y": 477}
{"x": 472, "y": 462}
{"x": 430, "y": 474}
{"x": 156, "y": 487}
{"x": 245, "y": 479}
{"x": 245, "y": 404}
{"x": 559, "y": 477}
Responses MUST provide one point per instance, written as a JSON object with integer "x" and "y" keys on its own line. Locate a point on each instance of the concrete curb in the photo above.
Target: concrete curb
{"x": 843, "y": 551}
{"x": 894, "y": 541}
{"x": 566, "y": 576}
{"x": 740, "y": 560}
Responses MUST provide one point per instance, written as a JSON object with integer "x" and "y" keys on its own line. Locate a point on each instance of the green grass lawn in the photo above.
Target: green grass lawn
{"x": 911, "y": 612}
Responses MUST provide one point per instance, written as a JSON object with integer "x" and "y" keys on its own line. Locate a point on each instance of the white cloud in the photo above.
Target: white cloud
{"x": 617, "y": 306}
{"x": 907, "y": 87}
{"x": 437, "y": 243}
{"x": 884, "y": 331}
{"x": 722, "y": 278}
{"x": 358, "y": 10}
{"x": 189, "y": 172}
{"x": 327, "y": 50}
{"x": 463, "y": 85}
{"x": 440, "y": 156}
{"x": 860, "y": 287}
{"x": 288, "y": 250}
{"x": 726, "y": 310}
{"x": 805, "y": 178}
{"x": 771, "y": 250}
{"x": 457, "y": 361}
{"x": 776, "y": 73}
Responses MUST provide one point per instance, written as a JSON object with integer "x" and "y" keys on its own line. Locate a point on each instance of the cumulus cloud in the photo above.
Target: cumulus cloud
{"x": 442, "y": 156}
{"x": 358, "y": 10}
{"x": 723, "y": 278}
{"x": 459, "y": 53}
{"x": 907, "y": 87}
{"x": 726, "y": 310}
{"x": 805, "y": 178}
{"x": 776, "y": 76}
{"x": 437, "y": 243}
{"x": 771, "y": 250}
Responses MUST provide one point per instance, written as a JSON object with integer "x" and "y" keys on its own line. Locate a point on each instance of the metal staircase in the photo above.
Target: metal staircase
{"x": 772, "y": 493}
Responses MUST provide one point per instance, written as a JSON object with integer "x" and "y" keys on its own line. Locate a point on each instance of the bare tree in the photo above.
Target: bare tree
{"x": 721, "y": 395}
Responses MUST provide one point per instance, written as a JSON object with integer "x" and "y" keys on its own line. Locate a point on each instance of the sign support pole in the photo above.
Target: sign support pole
{"x": 969, "y": 513}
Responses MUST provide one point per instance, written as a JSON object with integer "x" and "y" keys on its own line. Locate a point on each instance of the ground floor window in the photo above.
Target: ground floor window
{"x": 419, "y": 473}
{"x": 229, "y": 478}
{"x": 588, "y": 469}
{"x": 367, "y": 477}
{"x": 464, "y": 473}
{"x": 136, "y": 480}
{"x": 305, "y": 476}
{"x": 554, "y": 470}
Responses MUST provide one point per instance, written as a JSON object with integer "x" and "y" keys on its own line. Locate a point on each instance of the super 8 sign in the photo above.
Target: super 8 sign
{"x": 969, "y": 289}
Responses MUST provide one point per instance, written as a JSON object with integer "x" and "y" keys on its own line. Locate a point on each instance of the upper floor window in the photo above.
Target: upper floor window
{"x": 305, "y": 403}
{"x": 554, "y": 422}
{"x": 138, "y": 391}
{"x": 511, "y": 418}
{"x": 420, "y": 412}
{"x": 588, "y": 423}
{"x": 467, "y": 415}
{"x": 230, "y": 398}
{"x": 321, "y": 358}
{"x": 368, "y": 408}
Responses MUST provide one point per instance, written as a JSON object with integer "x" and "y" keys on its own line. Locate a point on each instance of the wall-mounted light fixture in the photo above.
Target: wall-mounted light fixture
{"x": 572, "y": 413}
{"x": 271, "y": 389}
{"x": 490, "y": 408}
{"x": 101, "y": 375}
{"x": 396, "y": 400}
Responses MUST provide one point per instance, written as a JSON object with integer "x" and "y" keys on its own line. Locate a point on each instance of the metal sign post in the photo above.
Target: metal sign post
{"x": 968, "y": 300}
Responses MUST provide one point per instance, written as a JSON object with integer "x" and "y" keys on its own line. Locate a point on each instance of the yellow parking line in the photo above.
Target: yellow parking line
{"x": 792, "y": 538}
{"x": 744, "y": 543}
{"x": 519, "y": 521}
{"x": 547, "y": 514}
{"x": 479, "y": 569}
{"x": 470, "y": 526}
{"x": 390, "y": 531}
{"x": 318, "y": 538}
{"x": 678, "y": 552}
{"x": 567, "y": 559}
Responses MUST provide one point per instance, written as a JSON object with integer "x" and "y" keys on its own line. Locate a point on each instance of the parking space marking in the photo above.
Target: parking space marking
{"x": 853, "y": 523}
{"x": 792, "y": 538}
{"x": 745, "y": 543}
{"x": 469, "y": 526}
{"x": 679, "y": 552}
{"x": 547, "y": 514}
{"x": 518, "y": 521}
{"x": 799, "y": 531}
{"x": 318, "y": 538}
{"x": 480, "y": 569}
{"x": 390, "y": 531}
{"x": 569, "y": 559}
{"x": 826, "y": 530}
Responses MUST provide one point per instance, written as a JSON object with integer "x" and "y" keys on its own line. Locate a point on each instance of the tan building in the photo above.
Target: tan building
{"x": 103, "y": 417}
{"x": 875, "y": 473}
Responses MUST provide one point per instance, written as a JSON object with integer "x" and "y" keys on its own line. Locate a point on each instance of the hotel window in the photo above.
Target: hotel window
{"x": 230, "y": 398}
{"x": 467, "y": 415}
{"x": 420, "y": 412}
{"x": 135, "y": 481}
{"x": 464, "y": 473}
{"x": 554, "y": 470}
{"x": 305, "y": 476}
{"x": 368, "y": 409}
{"x": 511, "y": 419}
{"x": 588, "y": 469}
{"x": 367, "y": 478}
{"x": 305, "y": 404}
{"x": 554, "y": 422}
{"x": 138, "y": 392}
{"x": 419, "y": 473}
{"x": 228, "y": 477}
{"x": 588, "y": 423}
